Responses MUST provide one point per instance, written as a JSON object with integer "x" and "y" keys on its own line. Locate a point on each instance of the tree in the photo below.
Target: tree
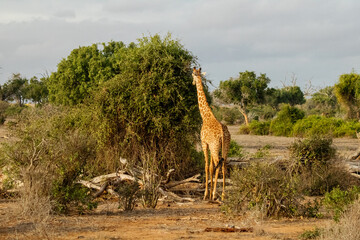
{"x": 289, "y": 95}
{"x": 15, "y": 88}
{"x": 149, "y": 110}
{"x": 36, "y": 91}
{"x": 82, "y": 71}
{"x": 323, "y": 102}
{"x": 248, "y": 89}
{"x": 347, "y": 91}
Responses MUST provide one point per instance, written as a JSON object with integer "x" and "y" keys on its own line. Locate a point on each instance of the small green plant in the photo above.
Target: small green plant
{"x": 311, "y": 234}
{"x": 129, "y": 193}
{"x": 235, "y": 150}
{"x": 262, "y": 152}
{"x": 311, "y": 209}
{"x": 338, "y": 200}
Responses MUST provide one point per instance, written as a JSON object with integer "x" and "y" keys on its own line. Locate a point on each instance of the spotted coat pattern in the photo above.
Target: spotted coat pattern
{"x": 215, "y": 137}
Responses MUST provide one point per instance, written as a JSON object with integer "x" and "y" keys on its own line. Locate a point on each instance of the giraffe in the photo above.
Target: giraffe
{"x": 215, "y": 136}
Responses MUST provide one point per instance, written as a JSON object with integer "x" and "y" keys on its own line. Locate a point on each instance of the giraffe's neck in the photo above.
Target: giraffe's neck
{"x": 205, "y": 110}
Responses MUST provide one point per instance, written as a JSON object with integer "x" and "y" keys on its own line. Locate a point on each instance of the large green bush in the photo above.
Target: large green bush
{"x": 83, "y": 71}
{"x": 150, "y": 109}
{"x": 282, "y": 124}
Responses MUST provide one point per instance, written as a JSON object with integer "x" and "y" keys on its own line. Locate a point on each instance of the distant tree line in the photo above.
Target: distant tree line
{"x": 20, "y": 90}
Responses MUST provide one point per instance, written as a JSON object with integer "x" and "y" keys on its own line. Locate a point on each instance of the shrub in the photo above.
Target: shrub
{"x": 235, "y": 150}
{"x": 228, "y": 115}
{"x": 265, "y": 187}
{"x": 50, "y": 156}
{"x": 347, "y": 227}
{"x": 129, "y": 193}
{"x": 318, "y": 125}
{"x": 314, "y": 159}
{"x": 259, "y": 127}
{"x": 244, "y": 129}
{"x": 312, "y": 151}
{"x": 338, "y": 200}
{"x": 311, "y": 234}
{"x": 149, "y": 110}
{"x": 282, "y": 124}
{"x": 3, "y": 107}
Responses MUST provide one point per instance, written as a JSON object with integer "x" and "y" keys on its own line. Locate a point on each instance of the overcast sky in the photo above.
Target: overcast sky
{"x": 314, "y": 40}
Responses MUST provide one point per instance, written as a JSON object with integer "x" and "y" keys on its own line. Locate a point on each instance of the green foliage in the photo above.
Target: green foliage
{"x": 129, "y": 193}
{"x": 83, "y": 71}
{"x": 347, "y": 227}
{"x": 315, "y": 161}
{"x": 246, "y": 90}
{"x": 315, "y": 125}
{"x": 259, "y": 127}
{"x": 347, "y": 91}
{"x": 312, "y": 151}
{"x": 36, "y": 91}
{"x": 291, "y": 95}
{"x": 235, "y": 150}
{"x": 150, "y": 109}
{"x": 229, "y": 115}
{"x": 3, "y": 107}
{"x": 312, "y": 209}
{"x": 262, "y": 152}
{"x": 14, "y": 89}
{"x": 282, "y": 124}
{"x": 323, "y": 102}
{"x": 337, "y": 201}
{"x": 262, "y": 112}
{"x": 48, "y": 145}
{"x": 311, "y": 234}
{"x": 262, "y": 186}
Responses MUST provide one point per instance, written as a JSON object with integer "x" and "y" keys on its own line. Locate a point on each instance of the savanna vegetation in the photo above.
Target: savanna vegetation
{"x": 136, "y": 101}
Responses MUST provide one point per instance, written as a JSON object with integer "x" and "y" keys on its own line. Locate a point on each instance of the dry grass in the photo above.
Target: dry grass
{"x": 34, "y": 202}
{"x": 348, "y": 226}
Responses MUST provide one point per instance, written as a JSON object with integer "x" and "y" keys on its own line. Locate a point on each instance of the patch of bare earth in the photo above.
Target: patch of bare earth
{"x": 168, "y": 220}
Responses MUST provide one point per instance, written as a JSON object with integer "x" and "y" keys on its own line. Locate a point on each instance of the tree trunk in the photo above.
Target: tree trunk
{"x": 243, "y": 112}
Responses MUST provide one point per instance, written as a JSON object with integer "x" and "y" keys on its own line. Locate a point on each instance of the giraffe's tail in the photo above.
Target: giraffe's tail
{"x": 222, "y": 159}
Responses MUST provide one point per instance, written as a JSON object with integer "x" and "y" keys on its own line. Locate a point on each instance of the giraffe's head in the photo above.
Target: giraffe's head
{"x": 196, "y": 75}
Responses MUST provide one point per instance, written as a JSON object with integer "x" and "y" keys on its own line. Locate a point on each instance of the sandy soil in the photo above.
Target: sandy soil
{"x": 168, "y": 220}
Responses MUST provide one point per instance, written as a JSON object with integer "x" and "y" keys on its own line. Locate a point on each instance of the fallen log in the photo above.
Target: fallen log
{"x": 228, "y": 229}
{"x": 173, "y": 196}
{"x": 190, "y": 179}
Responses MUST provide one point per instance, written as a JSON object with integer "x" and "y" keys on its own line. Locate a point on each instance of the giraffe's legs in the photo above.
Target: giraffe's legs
{"x": 211, "y": 176}
{"x": 215, "y": 181}
{"x": 223, "y": 172}
{"x": 206, "y": 153}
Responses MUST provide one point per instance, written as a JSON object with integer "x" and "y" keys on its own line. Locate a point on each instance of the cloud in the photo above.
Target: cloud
{"x": 316, "y": 40}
